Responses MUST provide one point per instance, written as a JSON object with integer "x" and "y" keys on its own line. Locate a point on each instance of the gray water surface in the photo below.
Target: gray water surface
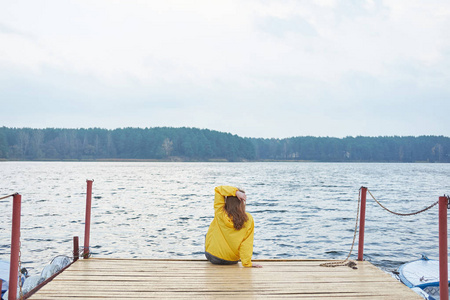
{"x": 163, "y": 210}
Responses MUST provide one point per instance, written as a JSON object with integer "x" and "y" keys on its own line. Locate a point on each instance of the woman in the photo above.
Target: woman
{"x": 230, "y": 235}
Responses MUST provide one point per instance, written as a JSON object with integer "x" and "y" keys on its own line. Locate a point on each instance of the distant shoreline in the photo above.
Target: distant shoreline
{"x": 207, "y": 161}
{"x": 166, "y": 144}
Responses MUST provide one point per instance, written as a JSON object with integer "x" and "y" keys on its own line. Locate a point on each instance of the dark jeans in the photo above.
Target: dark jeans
{"x": 218, "y": 261}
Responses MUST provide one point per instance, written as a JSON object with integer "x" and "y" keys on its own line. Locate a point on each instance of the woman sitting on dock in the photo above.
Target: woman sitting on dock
{"x": 230, "y": 235}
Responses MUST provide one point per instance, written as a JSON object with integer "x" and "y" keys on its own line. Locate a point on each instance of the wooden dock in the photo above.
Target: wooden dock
{"x": 101, "y": 278}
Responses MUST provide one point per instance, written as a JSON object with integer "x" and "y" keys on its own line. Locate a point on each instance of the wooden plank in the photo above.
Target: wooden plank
{"x": 147, "y": 279}
{"x": 291, "y": 286}
{"x": 342, "y": 296}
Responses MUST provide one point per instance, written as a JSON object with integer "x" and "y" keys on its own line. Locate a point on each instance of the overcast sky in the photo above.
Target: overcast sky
{"x": 252, "y": 68}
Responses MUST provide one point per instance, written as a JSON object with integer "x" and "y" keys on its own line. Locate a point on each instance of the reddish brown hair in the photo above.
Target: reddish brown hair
{"x": 235, "y": 209}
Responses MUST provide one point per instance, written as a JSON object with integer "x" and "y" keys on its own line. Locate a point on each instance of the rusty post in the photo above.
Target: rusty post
{"x": 87, "y": 224}
{"x": 76, "y": 247}
{"x": 443, "y": 248}
{"x": 362, "y": 222}
{"x": 15, "y": 247}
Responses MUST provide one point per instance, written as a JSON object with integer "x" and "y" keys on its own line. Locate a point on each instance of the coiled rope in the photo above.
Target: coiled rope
{"x": 346, "y": 262}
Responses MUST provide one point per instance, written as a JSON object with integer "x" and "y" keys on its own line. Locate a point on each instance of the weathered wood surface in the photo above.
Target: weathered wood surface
{"x": 97, "y": 278}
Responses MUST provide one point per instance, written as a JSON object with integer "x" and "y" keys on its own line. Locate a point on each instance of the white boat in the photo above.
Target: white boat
{"x": 30, "y": 282}
{"x": 4, "y": 276}
{"x": 422, "y": 276}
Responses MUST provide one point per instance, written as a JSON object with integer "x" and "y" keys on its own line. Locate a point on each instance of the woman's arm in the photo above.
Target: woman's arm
{"x": 220, "y": 193}
{"x": 246, "y": 247}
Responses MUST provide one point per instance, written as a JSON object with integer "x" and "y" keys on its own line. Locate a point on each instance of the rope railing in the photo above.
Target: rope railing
{"x": 4, "y": 197}
{"x": 444, "y": 205}
{"x": 352, "y": 264}
{"x": 402, "y": 214}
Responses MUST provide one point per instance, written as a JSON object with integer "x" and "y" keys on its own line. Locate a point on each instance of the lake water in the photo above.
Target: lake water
{"x": 163, "y": 210}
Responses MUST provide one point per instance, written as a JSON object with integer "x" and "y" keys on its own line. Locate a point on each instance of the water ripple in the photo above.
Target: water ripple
{"x": 163, "y": 210}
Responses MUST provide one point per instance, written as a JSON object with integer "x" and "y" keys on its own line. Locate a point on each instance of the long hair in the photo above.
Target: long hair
{"x": 235, "y": 209}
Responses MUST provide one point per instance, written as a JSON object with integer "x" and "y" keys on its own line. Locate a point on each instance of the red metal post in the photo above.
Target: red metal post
{"x": 443, "y": 250}
{"x": 15, "y": 248}
{"x": 362, "y": 222}
{"x": 76, "y": 247}
{"x": 87, "y": 224}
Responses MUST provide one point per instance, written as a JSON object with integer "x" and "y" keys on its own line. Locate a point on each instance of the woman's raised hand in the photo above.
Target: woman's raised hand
{"x": 241, "y": 196}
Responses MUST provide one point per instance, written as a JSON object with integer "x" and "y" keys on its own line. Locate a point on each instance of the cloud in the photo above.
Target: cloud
{"x": 292, "y": 68}
{"x": 5, "y": 29}
{"x": 280, "y": 27}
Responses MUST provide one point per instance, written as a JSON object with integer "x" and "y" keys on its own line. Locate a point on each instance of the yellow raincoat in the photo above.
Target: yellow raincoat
{"x": 222, "y": 239}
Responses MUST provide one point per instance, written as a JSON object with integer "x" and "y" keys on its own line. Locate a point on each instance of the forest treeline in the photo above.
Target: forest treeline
{"x": 193, "y": 144}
